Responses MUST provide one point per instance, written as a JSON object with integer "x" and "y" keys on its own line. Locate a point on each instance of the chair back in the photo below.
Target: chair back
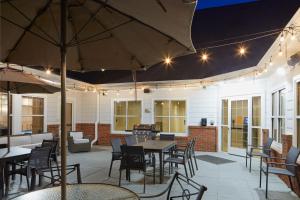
{"x": 169, "y": 137}
{"x": 3, "y": 146}
{"x": 116, "y": 145}
{"x": 52, "y": 144}
{"x": 39, "y": 158}
{"x": 267, "y": 146}
{"x": 292, "y": 158}
{"x": 133, "y": 157}
{"x": 131, "y": 140}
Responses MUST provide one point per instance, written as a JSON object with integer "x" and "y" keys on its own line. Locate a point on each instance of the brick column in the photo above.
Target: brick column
{"x": 104, "y": 134}
{"x": 287, "y": 142}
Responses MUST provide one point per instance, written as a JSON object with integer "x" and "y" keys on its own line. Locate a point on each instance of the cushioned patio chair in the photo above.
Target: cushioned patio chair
{"x": 290, "y": 167}
{"x": 260, "y": 151}
{"x": 77, "y": 142}
{"x": 116, "y": 153}
{"x": 188, "y": 187}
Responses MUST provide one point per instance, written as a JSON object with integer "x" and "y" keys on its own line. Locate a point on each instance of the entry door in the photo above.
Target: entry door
{"x": 69, "y": 117}
{"x": 239, "y": 130}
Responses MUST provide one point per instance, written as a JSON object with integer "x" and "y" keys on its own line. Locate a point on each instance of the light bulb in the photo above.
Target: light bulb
{"x": 281, "y": 37}
{"x": 280, "y": 53}
{"x": 242, "y": 50}
{"x": 48, "y": 71}
{"x": 204, "y": 57}
{"x": 167, "y": 60}
{"x": 102, "y": 69}
{"x": 293, "y": 37}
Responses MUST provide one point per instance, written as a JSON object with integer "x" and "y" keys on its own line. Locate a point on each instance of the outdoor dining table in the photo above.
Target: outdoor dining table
{"x": 15, "y": 153}
{"x": 158, "y": 146}
{"x": 88, "y": 191}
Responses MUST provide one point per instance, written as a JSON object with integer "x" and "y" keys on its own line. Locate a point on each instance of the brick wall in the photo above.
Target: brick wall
{"x": 54, "y": 129}
{"x": 87, "y": 128}
{"x": 286, "y": 145}
{"x": 206, "y": 137}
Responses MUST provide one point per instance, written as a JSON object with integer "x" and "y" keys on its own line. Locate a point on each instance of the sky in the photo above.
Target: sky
{"x": 202, "y": 4}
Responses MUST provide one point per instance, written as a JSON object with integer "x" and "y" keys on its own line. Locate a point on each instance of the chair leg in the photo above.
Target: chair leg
{"x": 260, "y": 172}
{"x": 144, "y": 183}
{"x": 250, "y": 164}
{"x": 120, "y": 175}
{"x": 111, "y": 163}
{"x": 190, "y": 168}
{"x": 27, "y": 181}
{"x": 185, "y": 170}
{"x": 267, "y": 180}
{"x": 195, "y": 162}
{"x": 191, "y": 161}
{"x": 246, "y": 160}
{"x": 291, "y": 184}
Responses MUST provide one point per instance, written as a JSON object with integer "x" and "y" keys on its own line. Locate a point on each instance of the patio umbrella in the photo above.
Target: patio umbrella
{"x": 93, "y": 34}
{"x": 18, "y": 82}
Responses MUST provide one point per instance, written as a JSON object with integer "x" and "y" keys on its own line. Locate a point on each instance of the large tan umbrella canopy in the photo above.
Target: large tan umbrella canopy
{"x": 19, "y": 82}
{"x": 93, "y": 34}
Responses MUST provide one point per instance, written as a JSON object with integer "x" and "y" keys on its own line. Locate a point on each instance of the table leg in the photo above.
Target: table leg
{"x": 1, "y": 181}
{"x": 6, "y": 177}
{"x": 161, "y": 174}
{"x": 33, "y": 179}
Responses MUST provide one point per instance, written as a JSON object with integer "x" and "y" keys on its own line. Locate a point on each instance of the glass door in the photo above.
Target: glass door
{"x": 239, "y": 126}
{"x": 224, "y": 126}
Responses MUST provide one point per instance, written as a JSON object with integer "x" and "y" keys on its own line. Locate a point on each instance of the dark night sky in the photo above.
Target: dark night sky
{"x": 202, "y": 4}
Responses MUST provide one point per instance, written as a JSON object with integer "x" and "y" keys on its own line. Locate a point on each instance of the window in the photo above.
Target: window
{"x": 170, "y": 116}
{"x": 126, "y": 114}
{"x": 3, "y": 110}
{"x": 256, "y": 121}
{"x": 33, "y": 114}
{"x": 298, "y": 113}
{"x": 278, "y": 114}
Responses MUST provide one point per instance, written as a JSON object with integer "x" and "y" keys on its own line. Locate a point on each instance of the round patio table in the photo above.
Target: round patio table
{"x": 90, "y": 191}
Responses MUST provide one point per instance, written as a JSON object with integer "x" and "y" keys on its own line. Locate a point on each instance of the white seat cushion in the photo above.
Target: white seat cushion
{"x": 38, "y": 138}
{"x": 81, "y": 141}
{"x": 76, "y": 135}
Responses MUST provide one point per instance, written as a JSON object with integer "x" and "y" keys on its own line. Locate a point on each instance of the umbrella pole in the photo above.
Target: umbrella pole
{"x": 8, "y": 116}
{"x": 63, "y": 67}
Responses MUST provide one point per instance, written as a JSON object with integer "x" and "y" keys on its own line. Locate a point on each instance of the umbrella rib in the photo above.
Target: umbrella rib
{"x": 27, "y": 29}
{"x": 124, "y": 47}
{"x": 143, "y": 23}
{"x": 100, "y": 33}
{"x": 25, "y": 16}
{"x": 76, "y": 39}
{"x": 87, "y": 22}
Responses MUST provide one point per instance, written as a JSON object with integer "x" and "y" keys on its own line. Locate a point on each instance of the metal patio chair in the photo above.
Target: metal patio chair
{"x": 290, "y": 169}
{"x": 116, "y": 153}
{"x": 186, "y": 193}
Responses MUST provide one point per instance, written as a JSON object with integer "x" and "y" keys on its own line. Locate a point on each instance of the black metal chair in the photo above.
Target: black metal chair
{"x": 53, "y": 144}
{"x": 133, "y": 158}
{"x": 169, "y": 137}
{"x": 185, "y": 192}
{"x": 290, "y": 169}
{"x": 131, "y": 140}
{"x": 116, "y": 153}
{"x": 261, "y": 151}
{"x": 193, "y": 155}
{"x": 180, "y": 159}
{"x": 38, "y": 161}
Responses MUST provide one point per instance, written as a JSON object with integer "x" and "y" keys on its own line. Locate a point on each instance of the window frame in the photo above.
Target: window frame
{"x": 277, "y": 117}
{"x": 185, "y": 133}
{"x": 296, "y": 115}
{"x": 126, "y": 116}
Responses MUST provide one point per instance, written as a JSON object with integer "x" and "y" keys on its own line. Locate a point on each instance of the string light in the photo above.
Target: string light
{"x": 204, "y": 57}
{"x": 282, "y": 37}
{"x": 270, "y": 62}
{"x": 242, "y": 50}
{"x": 293, "y": 37}
{"x": 280, "y": 50}
{"x": 95, "y": 90}
{"x": 102, "y": 69}
{"x": 48, "y": 71}
{"x": 85, "y": 90}
{"x": 168, "y": 60}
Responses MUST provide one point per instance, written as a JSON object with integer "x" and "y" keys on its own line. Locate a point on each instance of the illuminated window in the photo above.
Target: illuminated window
{"x": 3, "y": 110}
{"x": 126, "y": 114}
{"x": 278, "y": 114}
{"x": 170, "y": 116}
{"x": 33, "y": 114}
{"x": 256, "y": 121}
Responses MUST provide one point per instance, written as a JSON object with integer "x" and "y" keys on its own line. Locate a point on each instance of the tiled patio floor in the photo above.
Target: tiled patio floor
{"x": 231, "y": 181}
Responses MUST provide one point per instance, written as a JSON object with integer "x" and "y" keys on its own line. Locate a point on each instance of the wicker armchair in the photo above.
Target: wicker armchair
{"x": 77, "y": 142}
